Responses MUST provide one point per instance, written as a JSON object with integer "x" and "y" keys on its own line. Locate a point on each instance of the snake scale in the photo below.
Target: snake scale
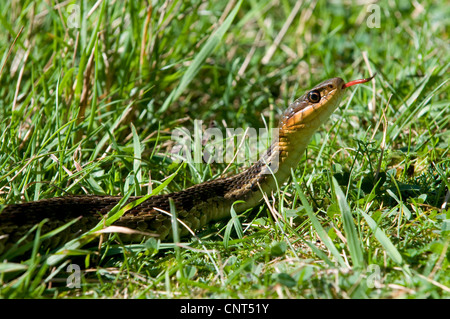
{"x": 195, "y": 206}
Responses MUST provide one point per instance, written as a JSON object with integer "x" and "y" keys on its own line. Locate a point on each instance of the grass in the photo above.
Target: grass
{"x": 90, "y": 110}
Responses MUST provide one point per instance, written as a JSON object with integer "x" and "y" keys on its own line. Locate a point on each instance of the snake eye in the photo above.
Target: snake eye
{"x": 314, "y": 96}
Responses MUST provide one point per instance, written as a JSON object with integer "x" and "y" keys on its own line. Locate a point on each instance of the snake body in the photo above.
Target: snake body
{"x": 195, "y": 206}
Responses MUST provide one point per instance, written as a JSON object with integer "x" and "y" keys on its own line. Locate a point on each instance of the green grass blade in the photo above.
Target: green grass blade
{"x": 86, "y": 52}
{"x": 388, "y": 246}
{"x": 176, "y": 236}
{"x": 409, "y": 114}
{"x": 12, "y": 267}
{"x": 175, "y": 228}
{"x": 320, "y": 254}
{"x": 353, "y": 242}
{"x": 233, "y": 222}
{"x": 317, "y": 226}
{"x": 380, "y": 235}
{"x": 137, "y": 160}
{"x": 210, "y": 45}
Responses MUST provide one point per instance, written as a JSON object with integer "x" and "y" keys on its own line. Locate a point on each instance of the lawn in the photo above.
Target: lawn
{"x": 91, "y": 92}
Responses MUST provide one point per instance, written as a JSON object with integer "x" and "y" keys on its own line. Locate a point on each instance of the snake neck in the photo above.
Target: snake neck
{"x": 269, "y": 172}
{"x": 297, "y": 126}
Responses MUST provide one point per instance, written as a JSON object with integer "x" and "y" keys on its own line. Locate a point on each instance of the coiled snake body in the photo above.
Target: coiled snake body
{"x": 197, "y": 205}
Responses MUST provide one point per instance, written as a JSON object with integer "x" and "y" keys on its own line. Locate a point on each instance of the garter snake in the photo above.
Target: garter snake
{"x": 197, "y": 205}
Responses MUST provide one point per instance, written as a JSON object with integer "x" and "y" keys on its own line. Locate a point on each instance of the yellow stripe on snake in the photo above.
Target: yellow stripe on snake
{"x": 195, "y": 206}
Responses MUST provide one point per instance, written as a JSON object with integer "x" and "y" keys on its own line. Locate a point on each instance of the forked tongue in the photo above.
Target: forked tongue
{"x": 351, "y": 83}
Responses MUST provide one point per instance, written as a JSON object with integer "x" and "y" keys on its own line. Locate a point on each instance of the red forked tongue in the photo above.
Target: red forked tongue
{"x": 346, "y": 85}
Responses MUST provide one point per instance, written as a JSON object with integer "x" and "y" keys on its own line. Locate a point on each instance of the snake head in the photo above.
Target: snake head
{"x": 315, "y": 106}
